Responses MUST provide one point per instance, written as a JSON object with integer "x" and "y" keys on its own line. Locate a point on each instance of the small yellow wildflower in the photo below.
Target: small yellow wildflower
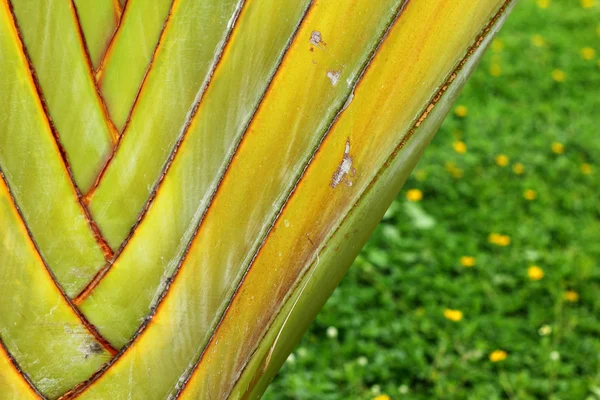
{"x": 420, "y": 175}
{"x": 587, "y": 3}
{"x": 530, "y": 194}
{"x": 571, "y": 296}
{"x": 497, "y": 45}
{"x": 585, "y": 168}
{"x": 461, "y": 111}
{"x": 543, "y": 3}
{"x": 382, "y": 397}
{"x": 460, "y": 147}
{"x": 498, "y": 355}
{"x": 558, "y": 148}
{"x": 414, "y": 195}
{"x": 499, "y": 240}
{"x": 467, "y": 261}
{"x": 535, "y": 273}
{"x": 538, "y": 41}
{"x": 502, "y": 160}
{"x": 587, "y": 53}
{"x": 453, "y": 315}
{"x": 559, "y": 75}
{"x": 518, "y": 168}
{"x": 495, "y": 70}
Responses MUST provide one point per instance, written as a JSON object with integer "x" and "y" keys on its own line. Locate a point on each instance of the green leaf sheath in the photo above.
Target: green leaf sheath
{"x": 58, "y": 56}
{"x": 190, "y": 46}
{"x": 98, "y": 20}
{"x": 281, "y": 137}
{"x": 159, "y": 242}
{"x": 37, "y": 325}
{"x": 130, "y": 56}
{"x": 40, "y": 183}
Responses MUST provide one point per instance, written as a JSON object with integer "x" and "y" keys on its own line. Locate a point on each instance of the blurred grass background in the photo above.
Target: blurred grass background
{"x": 483, "y": 282}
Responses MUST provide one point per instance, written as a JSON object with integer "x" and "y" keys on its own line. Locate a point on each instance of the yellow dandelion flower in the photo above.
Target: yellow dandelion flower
{"x": 530, "y": 194}
{"x": 414, "y": 195}
{"x": 497, "y": 45}
{"x": 587, "y": 3}
{"x": 535, "y": 273}
{"x": 558, "y": 148}
{"x": 499, "y": 240}
{"x": 571, "y": 296}
{"x": 518, "y": 168}
{"x": 467, "y": 261}
{"x": 420, "y": 175}
{"x": 495, "y": 70}
{"x": 538, "y": 41}
{"x": 585, "y": 168}
{"x": 453, "y": 315}
{"x": 587, "y": 53}
{"x": 504, "y": 240}
{"x": 559, "y": 75}
{"x": 543, "y": 3}
{"x": 502, "y": 160}
{"x": 460, "y": 147}
{"x": 461, "y": 111}
{"x": 382, "y": 397}
{"x": 498, "y": 355}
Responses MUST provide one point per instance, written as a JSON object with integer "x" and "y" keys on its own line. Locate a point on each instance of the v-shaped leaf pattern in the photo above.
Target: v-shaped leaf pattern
{"x": 134, "y": 144}
{"x": 99, "y": 20}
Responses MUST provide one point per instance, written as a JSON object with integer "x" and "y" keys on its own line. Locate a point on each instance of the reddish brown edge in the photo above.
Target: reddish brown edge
{"x": 23, "y": 375}
{"x": 108, "y": 253}
{"x": 90, "y": 193}
{"x": 82, "y": 388}
{"x": 424, "y": 114}
{"x": 91, "y": 328}
{"x": 103, "y": 271}
{"x": 120, "y": 15}
{"x": 67, "y": 168}
{"x": 114, "y": 134}
{"x": 85, "y": 385}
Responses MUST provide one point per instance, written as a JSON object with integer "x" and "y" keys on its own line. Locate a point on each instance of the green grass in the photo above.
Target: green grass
{"x": 392, "y": 336}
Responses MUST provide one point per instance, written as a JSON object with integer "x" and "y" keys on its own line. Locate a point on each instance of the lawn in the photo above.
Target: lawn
{"x": 483, "y": 280}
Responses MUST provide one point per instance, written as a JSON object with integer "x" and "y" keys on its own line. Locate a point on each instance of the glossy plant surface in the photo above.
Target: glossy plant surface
{"x": 184, "y": 184}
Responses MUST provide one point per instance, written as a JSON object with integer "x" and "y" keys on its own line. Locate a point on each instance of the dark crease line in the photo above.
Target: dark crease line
{"x": 81, "y": 297}
{"x": 423, "y": 115}
{"x": 118, "y": 8}
{"x": 121, "y": 12}
{"x": 63, "y": 154}
{"x": 185, "y": 129}
{"x": 79, "y": 390}
{"x": 364, "y": 68}
{"x": 19, "y": 370}
{"x": 91, "y": 328}
{"x": 117, "y": 146}
{"x": 113, "y": 134}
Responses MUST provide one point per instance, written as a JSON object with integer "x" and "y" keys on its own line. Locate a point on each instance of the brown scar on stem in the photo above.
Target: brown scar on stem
{"x": 345, "y": 167}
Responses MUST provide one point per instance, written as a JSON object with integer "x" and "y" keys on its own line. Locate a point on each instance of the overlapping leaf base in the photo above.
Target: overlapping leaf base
{"x": 184, "y": 182}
